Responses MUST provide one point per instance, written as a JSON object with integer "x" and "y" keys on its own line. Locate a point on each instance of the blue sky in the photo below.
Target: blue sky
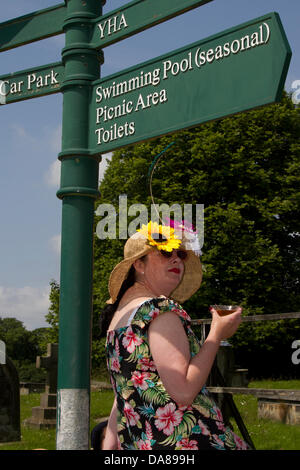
{"x": 30, "y": 133}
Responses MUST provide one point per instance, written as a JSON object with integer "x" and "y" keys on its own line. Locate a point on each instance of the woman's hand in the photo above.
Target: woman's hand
{"x": 224, "y": 327}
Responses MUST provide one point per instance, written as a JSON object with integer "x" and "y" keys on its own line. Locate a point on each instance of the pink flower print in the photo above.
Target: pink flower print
{"x": 185, "y": 408}
{"x": 114, "y": 364}
{"x": 185, "y": 444}
{"x": 154, "y": 313}
{"x": 240, "y": 444}
{"x": 203, "y": 427}
{"x": 181, "y": 313}
{"x": 131, "y": 416}
{"x": 145, "y": 364}
{"x": 217, "y": 440}
{"x": 221, "y": 426}
{"x": 218, "y": 414}
{"x": 148, "y": 430}
{"x": 117, "y": 348}
{"x": 139, "y": 379}
{"x": 167, "y": 418}
{"x": 131, "y": 340}
{"x": 110, "y": 336}
{"x": 144, "y": 445}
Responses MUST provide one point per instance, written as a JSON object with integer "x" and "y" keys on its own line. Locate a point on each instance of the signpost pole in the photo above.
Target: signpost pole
{"x": 78, "y": 190}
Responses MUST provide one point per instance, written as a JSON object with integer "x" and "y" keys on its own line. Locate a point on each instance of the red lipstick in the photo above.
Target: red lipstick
{"x": 175, "y": 270}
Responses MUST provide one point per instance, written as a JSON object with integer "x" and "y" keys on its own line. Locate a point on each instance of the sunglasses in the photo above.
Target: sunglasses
{"x": 182, "y": 254}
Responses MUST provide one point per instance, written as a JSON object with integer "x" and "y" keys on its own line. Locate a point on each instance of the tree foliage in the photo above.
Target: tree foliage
{"x": 245, "y": 170}
{"x": 22, "y": 346}
{"x": 52, "y": 316}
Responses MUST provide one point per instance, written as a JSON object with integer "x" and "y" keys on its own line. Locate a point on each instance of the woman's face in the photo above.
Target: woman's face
{"x": 162, "y": 275}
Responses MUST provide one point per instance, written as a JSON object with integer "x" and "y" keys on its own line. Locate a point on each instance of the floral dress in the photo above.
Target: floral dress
{"x": 148, "y": 418}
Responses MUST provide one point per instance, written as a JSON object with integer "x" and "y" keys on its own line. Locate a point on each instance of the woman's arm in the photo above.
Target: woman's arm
{"x": 182, "y": 376}
{"x": 110, "y": 441}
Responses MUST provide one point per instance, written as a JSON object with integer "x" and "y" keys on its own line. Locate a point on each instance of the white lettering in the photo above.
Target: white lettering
{"x": 234, "y": 47}
{"x": 183, "y": 66}
{"x": 53, "y": 78}
{"x": 255, "y": 40}
{"x": 114, "y": 132}
{"x": 108, "y": 113}
{"x": 112, "y": 25}
{"x": 30, "y": 80}
{"x": 3, "y": 88}
{"x": 151, "y": 99}
{"x": 41, "y": 81}
{"x": 268, "y": 33}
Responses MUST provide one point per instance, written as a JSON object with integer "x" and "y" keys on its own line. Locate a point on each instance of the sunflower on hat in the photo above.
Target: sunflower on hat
{"x": 161, "y": 236}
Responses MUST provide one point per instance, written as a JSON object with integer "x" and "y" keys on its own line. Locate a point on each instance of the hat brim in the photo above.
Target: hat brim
{"x": 120, "y": 272}
{"x": 189, "y": 284}
{"x": 191, "y": 279}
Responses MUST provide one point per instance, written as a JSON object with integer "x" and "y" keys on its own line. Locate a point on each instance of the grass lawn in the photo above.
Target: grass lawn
{"x": 266, "y": 435}
{"x": 101, "y": 403}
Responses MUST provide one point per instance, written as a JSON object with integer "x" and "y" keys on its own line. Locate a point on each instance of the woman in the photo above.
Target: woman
{"x": 158, "y": 369}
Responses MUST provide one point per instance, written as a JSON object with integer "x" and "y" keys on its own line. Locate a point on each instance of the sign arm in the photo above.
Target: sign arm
{"x": 29, "y": 28}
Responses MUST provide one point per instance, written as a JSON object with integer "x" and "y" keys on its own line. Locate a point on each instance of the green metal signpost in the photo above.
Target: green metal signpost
{"x": 136, "y": 16}
{"x": 31, "y": 83}
{"x": 29, "y": 28}
{"x": 215, "y": 77}
{"x": 239, "y": 69}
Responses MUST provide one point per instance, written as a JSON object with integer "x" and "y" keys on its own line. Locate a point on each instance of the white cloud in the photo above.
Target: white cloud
{"x": 55, "y": 139}
{"x": 27, "y": 304}
{"x": 52, "y": 176}
{"x": 21, "y": 135}
{"x": 55, "y": 243}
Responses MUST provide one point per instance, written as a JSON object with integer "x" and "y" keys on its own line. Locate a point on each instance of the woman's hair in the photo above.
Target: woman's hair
{"x": 108, "y": 311}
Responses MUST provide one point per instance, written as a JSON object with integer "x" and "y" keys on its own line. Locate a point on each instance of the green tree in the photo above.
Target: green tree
{"x": 245, "y": 170}
{"x": 22, "y": 346}
{"x": 52, "y": 317}
{"x": 18, "y": 341}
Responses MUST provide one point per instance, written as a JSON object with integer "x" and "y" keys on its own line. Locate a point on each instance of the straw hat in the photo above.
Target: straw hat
{"x": 136, "y": 247}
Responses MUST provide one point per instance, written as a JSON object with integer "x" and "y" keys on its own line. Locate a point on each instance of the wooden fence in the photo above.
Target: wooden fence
{"x": 222, "y": 390}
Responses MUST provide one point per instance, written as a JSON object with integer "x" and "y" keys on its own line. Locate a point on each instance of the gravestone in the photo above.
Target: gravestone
{"x": 44, "y": 416}
{"x": 9, "y": 402}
